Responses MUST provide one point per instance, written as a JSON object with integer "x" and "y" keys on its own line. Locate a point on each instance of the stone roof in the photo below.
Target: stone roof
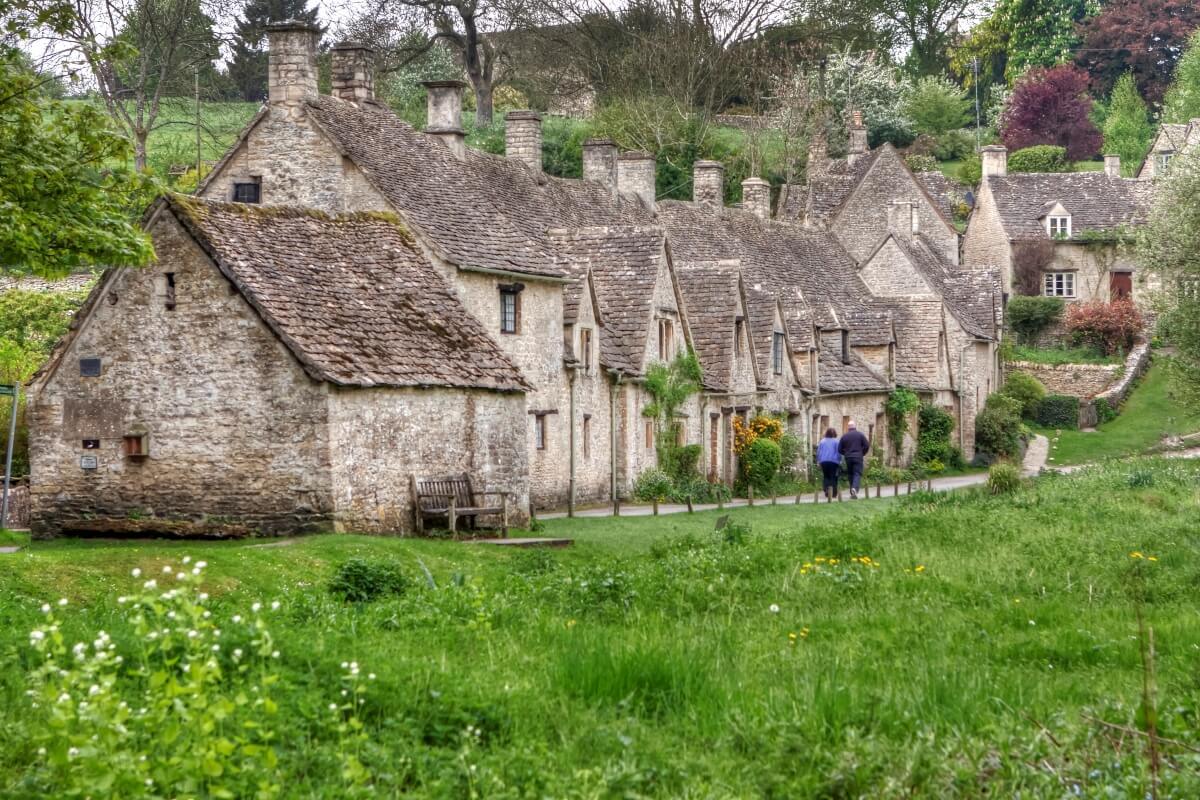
{"x": 918, "y": 323}
{"x": 944, "y": 192}
{"x": 349, "y": 295}
{"x": 785, "y": 260}
{"x": 483, "y": 212}
{"x": 1095, "y": 201}
{"x": 1173, "y": 134}
{"x": 760, "y": 308}
{"x": 624, "y": 263}
{"x": 818, "y": 201}
{"x": 75, "y": 282}
{"x": 710, "y": 292}
{"x": 971, "y": 295}
{"x": 836, "y": 377}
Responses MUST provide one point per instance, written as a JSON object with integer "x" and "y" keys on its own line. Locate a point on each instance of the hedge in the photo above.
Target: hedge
{"x": 1058, "y": 411}
{"x": 1039, "y": 158}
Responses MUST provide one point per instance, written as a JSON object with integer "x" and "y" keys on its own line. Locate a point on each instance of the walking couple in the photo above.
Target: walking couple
{"x": 853, "y": 446}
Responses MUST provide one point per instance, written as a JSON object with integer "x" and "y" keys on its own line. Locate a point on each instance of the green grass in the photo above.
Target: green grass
{"x": 646, "y": 661}
{"x": 1062, "y": 355}
{"x": 1149, "y": 415}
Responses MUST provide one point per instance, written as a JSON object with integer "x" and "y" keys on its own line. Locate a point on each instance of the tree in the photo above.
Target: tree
{"x": 1169, "y": 247}
{"x": 928, "y": 27}
{"x": 1127, "y": 128}
{"x": 866, "y": 83}
{"x": 1020, "y": 34}
{"x": 936, "y": 104}
{"x": 1145, "y": 37}
{"x": 1182, "y": 101}
{"x": 1051, "y": 106}
{"x": 248, "y": 66}
{"x": 64, "y": 206}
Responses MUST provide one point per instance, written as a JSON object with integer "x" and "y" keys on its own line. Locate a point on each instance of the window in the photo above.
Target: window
{"x": 539, "y": 431}
{"x": 738, "y": 324}
{"x": 1060, "y": 227}
{"x": 845, "y": 423}
{"x": 845, "y": 347}
{"x": 585, "y": 348}
{"x": 91, "y": 444}
{"x": 649, "y": 435}
{"x": 666, "y": 333}
{"x": 510, "y": 308}
{"x": 1163, "y": 162}
{"x": 587, "y": 435}
{"x": 1059, "y": 284}
{"x": 167, "y": 286}
{"x": 134, "y": 446}
{"x": 248, "y": 192}
{"x": 89, "y": 368}
{"x": 777, "y": 353}
{"x": 824, "y": 423}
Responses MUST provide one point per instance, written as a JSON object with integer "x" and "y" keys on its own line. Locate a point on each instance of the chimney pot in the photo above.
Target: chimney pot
{"x": 291, "y": 62}
{"x": 858, "y": 137}
{"x": 600, "y": 162}
{"x": 708, "y": 183}
{"x": 523, "y": 138}
{"x": 636, "y": 174}
{"x": 352, "y": 72}
{"x": 995, "y": 160}
{"x": 444, "y": 117}
{"x": 756, "y": 197}
{"x": 1112, "y": 165}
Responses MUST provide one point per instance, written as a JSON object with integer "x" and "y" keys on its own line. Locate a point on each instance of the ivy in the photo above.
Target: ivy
{"x": 900, "y": 404}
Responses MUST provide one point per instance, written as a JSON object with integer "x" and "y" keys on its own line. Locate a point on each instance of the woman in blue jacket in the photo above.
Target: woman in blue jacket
{"x": 830, "y": 459}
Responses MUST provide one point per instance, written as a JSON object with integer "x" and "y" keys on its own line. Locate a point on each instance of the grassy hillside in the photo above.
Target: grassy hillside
{"x": 950, "y": 646}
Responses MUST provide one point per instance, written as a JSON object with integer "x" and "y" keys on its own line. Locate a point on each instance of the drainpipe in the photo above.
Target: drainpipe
{"x": 962, "y": 374}
{"x": 612, "y": 433}
{"x": 571, "y": 441}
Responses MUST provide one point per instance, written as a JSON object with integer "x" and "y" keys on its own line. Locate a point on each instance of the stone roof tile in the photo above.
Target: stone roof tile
{"x": 1095, "y": 201}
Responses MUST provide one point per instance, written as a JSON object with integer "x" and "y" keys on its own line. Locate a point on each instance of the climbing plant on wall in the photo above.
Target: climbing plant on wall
{"x": 900, "y": 404}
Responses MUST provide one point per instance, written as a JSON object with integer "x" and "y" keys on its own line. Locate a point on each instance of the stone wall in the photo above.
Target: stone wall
{"x": 1135, "y": 365}
{"x": 383, "y": 437}
{"x": 890, "y": 273}
{"x": 985, "y": 243}
{"x": 235, "y": 430}
{"x": 1078, "y": 380}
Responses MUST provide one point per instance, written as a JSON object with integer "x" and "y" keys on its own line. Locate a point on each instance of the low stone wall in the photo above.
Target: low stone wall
{"x": 1078, "y": 380}
{"x": 1135, "y": 364}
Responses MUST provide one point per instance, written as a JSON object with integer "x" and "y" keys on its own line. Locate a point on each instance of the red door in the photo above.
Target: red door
{"x": 1120, "y": 285}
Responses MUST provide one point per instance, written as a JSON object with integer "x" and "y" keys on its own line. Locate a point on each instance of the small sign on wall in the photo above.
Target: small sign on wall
{"x": 89, "y": 462}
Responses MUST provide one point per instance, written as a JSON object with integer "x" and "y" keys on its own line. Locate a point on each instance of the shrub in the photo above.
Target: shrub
{"x": 998, "y": 430}
{"x": 933, "y": 436}
{"x": 1127, "y": 129}
{"x": 1030, "y": 259}
{"x": 1026, "y": 390}
{"x": 789, "y": 452}
{"x": 361, "y": 580}
{"x": 1003, "y": 479}
{"x": 1030, "y": 316}
{"x": 1058, "y": 411}
{"x": 900, "y": 403}
{"x": 970, "y": 171}
{"x": 953, "y": 145}
{"x": 652, "y": 484}
{"x": 761, "y": 463}
{"x": 1040, "y": 158}
{"x": 1109, "y": 327}
{"x": 699, "y": 490}
{"x": 1104, "y": 410}
{"x": 680, "y": 463}
{"x": 919, "y": 163}
{"x": 936, "y": 105}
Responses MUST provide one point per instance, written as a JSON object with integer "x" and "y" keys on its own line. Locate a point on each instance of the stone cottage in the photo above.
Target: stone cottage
{"x": 277, "y": 370}
{"x": 1172, "y": 139}
{"x": 1059, "y": 234}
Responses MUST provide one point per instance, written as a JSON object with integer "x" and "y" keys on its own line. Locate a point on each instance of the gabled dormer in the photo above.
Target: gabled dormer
{"x": 1056, "y": 220}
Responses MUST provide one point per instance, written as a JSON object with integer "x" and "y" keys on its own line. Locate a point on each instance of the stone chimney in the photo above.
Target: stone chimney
{"x": 858, "y": 137}
{"x": 523, "y": 138}
{"x": 902, "y": 220}
{"x": 818, "y": 156}
{"x": 635, "y": 174}
{"x": 352, "y": 69}
{"x": 291, "y": 62}
{"x": 600, "y": 162}
{"x": 756, "y": 197}
{"x": 708, "y": 183}
{"x": 995, "y": 160}
{"x": 444, "y": 117}
{"x": 1112, "y": 165}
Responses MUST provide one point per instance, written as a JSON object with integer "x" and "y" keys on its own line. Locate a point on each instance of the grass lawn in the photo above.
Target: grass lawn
{"x": 1148, "y": 415}
{"x": 967, "y": 655}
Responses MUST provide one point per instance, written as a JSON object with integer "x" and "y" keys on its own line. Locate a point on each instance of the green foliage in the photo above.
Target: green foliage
{"x": 362, "y": 580}
{"x": 652, "y": 484}
{"x": 64, "y": 208}
{"x": 1029, "y": 316}
{"x": 1104, "y": 410}
{"x": 936, "y": 104}
{"x": 761, "y": 463}
{"x": 866, "y": 82}
{"x": 1058, "y": 411}
{"x": 1061, "y": 355}
{"x": 1127, "y": 128}
{"x": 1039, "y": 158}
{"x": 680, "y": 463}
{"x": 791, "y": 448}
{"x": 1026, "y": 390}
{"x": 998, "y": 427}
{"x": 1003, "y": 479}
{"x": 670, "y": 386}
{"x": 934, "y": 426}
{"x": 919, "y": 163}
{"x": 1140, "y": 479}
{"x": 901, "y": 403}
{"x": 954, "y": 145}
{"x": 1182, "y": 102}
{"x": 970, "y": 171}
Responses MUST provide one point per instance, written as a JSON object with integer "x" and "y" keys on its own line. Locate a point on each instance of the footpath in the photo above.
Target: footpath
{"x": 1035, "y": 459}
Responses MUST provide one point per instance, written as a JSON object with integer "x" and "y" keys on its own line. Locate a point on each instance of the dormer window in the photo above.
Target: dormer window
{"x": 248, "y": 191}
{"x": 777, "y": 353}
{"x": 1059, "y": 227}
{"x": 1162, "y": 162}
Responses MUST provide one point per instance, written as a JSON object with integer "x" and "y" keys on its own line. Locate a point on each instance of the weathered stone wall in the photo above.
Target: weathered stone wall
{"x": 236, "y": 430}
{"x": 382, "y": 437}
{"x": 985, "y": 243}
{"x": 889, "y": 273}
{"x": 1092, "y": 264}
{"x": 593, "y": 444}
{"x": 1077, "y": 380}
{"x": 866, "y": 410}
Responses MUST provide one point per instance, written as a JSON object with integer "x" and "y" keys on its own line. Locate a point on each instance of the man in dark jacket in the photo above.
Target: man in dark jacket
{"x": 854, "y": 448}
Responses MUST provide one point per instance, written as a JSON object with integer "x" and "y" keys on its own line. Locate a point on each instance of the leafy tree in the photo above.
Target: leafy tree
{"x": 1145, "y": 37}
{"x": 936, "y": 105}
{"x": 64, "y": 206}
{"x": 248, "y": 66}
{"x": 1020, "y": 34}
{"x": 1127, "y": 127}
{"x": 1051, "y": 106}
{"x": 1039, "y": 158}
{"x": 869, "y": 84}
{"x": 1182, "y": 101}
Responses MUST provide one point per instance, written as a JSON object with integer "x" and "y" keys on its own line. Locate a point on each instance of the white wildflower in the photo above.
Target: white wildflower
{"x": 45, "y": 608}
{"x": 37, "y": 636}
{"x": 275, "y": 654}
{"x": 179, "y": 576}
{"x": 137, "y": 573}
{"x": 237, "y": 617}
{"x": 62, "y": 602}
{"x": 371, "y": 677}
{"x": 74, "y": 751}
{"x": 203, "y": 596}
{"x": 192, "y": 634}
{"x": 256, "y": 607}
{"x": 201, "y": 564}
{"x": 275, "y": 606}
{"x": 122, "y": 600}
{"x": 187, "y": 559}
{"x": 150, "y": 584}
{"x": 167, "y": 569}
{"x": 774, "y": 609}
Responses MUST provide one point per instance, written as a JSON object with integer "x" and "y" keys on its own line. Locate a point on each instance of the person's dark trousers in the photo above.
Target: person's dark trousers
{"x": 855, "y": 467}
{"x": 830, "y": 471}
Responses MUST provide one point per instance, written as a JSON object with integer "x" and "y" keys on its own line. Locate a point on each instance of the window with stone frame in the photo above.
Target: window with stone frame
{"x": 666, "y": 336}
{"x": 586, "y": 435}
{"x": 1059, "y": 227}
{"x": 738, "y": 325}
{"x": 510, "y": 308}
{"x": 248, "y": 191}
{"x": 1058, "y": 284}
{"x": 585, "y": 348}
{"x": 777, "y": 347}
{"x": 539, "y": 431}
{"x": 1163, "y": 162}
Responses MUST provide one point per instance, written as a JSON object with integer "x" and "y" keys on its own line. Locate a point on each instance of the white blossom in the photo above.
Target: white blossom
{"x": 62, "y": 602}
{"x": 137, "y": 573}
{"x": 774, "y": 609}
{"x": 150, "y": 584}
{"x": 45, "y": 608}
{"x": 256, "y": 607}
{"x": 167, "y": 569}
{"x": 275, "y": 606}
{"x": 37, "y": 636}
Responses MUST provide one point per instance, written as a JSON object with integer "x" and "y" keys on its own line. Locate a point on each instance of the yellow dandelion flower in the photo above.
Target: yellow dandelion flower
{"x": 1152, "y": 558}
{"x": 1136, "y": 554}
{"x": 920, "y": 568}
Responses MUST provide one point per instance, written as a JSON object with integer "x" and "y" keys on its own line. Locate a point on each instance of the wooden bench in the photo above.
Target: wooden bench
{"x": 452, "y": 498}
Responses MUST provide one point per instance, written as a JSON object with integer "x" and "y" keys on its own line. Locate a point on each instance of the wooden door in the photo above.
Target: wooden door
{"x": 1120, "y": 285}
